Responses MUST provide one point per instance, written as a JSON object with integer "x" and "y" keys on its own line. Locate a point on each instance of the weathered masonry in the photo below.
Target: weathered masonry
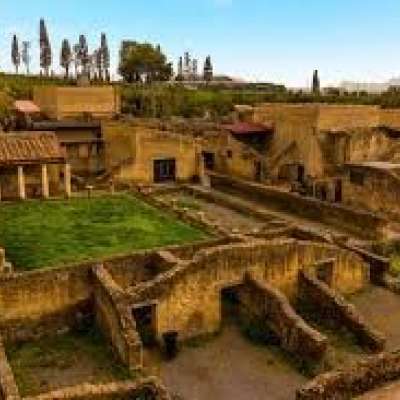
{"x": 32, "y": 165}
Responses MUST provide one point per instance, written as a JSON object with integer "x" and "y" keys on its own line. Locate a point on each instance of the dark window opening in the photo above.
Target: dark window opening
{"x": 209, "y": 160}
{"x": 325, "y": 272}
{"x": 229, "y": 154}
{"x": 357, "y": 177}
{"x": 164, "y": 170}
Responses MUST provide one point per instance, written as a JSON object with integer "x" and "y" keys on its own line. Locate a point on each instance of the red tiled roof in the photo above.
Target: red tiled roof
{"x": 246, "y": 128}
{"x": 26, "y": 107}
{"x": 29, "y": 148}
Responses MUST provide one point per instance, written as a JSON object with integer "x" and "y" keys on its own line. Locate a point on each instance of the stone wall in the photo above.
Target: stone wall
{"x": 356, "y": 380}
{"x": 72, "y": 102}
{"x": 328, "y": 306}
{"x": 348, "y": 116}
{"x": 115, "y": 319}
{"x": 8, "y": 386}
{"x": 188, "y": 297}
{"x": 269, "y": 306}
{"x": 144, "y": 388}
{"x": 390, "y": 118}
{"x": 34, "y": 303}
{"x": 132, "y": 148}
{"x": 363, "y": 223}
{"x": 378, "y": 192}
{"x": 231, "y": 156}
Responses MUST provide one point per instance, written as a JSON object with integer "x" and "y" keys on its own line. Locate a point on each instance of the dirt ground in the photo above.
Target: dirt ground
{"x": 225, "y": 217}
{"x": 231, "y": 367}
{"x": 390, "y": 392}
{"x": 66, "y": 360}
{"x": 381, "y": 308}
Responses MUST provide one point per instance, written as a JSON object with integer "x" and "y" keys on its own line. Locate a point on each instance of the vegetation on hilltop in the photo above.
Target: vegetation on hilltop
{"x": 19, "y": 87}
{"x": 165, "y": 99}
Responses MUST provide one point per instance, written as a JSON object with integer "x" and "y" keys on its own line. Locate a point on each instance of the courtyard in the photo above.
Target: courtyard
{"x": 52, "y": 233}
{"x": 64, "y": 360}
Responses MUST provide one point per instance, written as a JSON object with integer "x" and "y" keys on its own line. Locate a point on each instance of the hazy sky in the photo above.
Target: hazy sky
{"x": 268, "y": 40}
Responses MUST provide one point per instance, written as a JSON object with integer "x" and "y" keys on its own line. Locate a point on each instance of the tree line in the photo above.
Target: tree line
{"x": 138, "y": 62}
{"x": 94, "y": 64}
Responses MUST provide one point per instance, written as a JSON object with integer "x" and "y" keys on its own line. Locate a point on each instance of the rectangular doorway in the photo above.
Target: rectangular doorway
{"x": 338, "y": 191}
{"x": 145, "y": 318}
{"x": 164, "y": 170}
{"x": 209, "y": 160}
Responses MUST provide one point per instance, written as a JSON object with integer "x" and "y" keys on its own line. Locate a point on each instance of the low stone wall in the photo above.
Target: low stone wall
{"x": 115, "y": 319}
{"x": 229, "y": 202}
{"x": 8, "y": 386}
{"x": 362, "y": 223}
{"x": 147, "y": 388}
{"x": 33, "y": 304}
{"x": 331, "y": 308}
{"x": 356, "y": 380}
{"x": 271, "y": 307}
{"x": 379, "y": 266}
{"x": 187, "y": 297}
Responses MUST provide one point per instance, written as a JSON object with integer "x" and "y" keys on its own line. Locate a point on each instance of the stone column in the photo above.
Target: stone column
{"x": 45, "y": 182}
{"x": 67, "y": 180}
{"x": 21, "y": 183}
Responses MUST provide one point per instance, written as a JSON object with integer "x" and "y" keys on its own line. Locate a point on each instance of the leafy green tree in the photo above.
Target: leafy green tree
{"x": 66, "y": 57}
{"x": 15, "y": 54}
{"x": 143, "y": 61}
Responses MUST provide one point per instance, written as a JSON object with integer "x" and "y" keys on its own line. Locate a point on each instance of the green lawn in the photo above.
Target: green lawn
{"x": 45, "y": 234}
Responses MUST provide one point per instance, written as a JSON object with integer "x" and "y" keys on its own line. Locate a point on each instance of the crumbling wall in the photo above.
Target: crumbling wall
{"x": 8, "y": 386}
{"x": 331, "y": 308}
{"x": 115, "y": 318}
{"x": 390, "y": 118}
{"x": 271, "y": 307}
{"x": 144, "y": 388}
{"x": 189, "y": 295}
{"x": 347, "y": 116}
{"x": 34, "y": 303}
{"x": 363, "y": 223}
{"x": 379, "y": 191}
{"x": 356, "y": 380}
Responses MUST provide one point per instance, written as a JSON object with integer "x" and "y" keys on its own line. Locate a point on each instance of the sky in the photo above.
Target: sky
{"x": 259, "y": 40}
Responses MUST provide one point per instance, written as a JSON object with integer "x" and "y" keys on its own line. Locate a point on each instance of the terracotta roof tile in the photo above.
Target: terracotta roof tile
{"x": 28, "y": 148}
{"x": 245, "y": 128}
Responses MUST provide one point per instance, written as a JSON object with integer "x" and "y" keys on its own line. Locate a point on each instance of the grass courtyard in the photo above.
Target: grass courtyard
{"x": 39, "y": 234}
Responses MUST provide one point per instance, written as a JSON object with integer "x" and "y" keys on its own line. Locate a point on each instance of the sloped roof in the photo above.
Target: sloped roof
{"x": 26, "y": 107}
{"x": 30, "y": 148}
{"x": 245, "y": 128}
